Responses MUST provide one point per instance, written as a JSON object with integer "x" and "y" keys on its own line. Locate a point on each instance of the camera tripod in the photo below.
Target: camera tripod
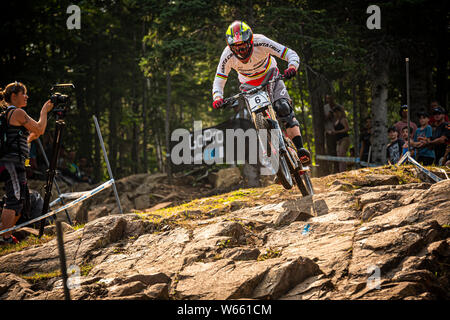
{"x": 51, "y": 171}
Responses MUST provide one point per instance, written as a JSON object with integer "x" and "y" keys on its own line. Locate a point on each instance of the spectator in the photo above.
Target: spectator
{"x": 406, "y": 140}
{"x": 22, "y": 129}
{"x": 434, "y": 104}
{"x": 399, "y": 125}
{"x": 85, "y": 171}
{"x": 425, "y": 155}
{"x": 71, "y": 169}
{"x": 330, "y": 140}
{"x": 446, "y": 158}
{"x": 441, "y": 135}
{"x": 394, "y": 148}
{"x": 366, "y": 134}
{"x": 340, "y": 131}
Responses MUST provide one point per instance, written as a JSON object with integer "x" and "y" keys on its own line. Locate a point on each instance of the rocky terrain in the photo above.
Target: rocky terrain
{"x": 366, "y": 234}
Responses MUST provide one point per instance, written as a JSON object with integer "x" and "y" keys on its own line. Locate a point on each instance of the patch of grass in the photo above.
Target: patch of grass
{"x": 118, "y": 250}
{"x": 204, "y": 207}
{"x": 269, "y": 254}
{"x": 224, "y": 243}
{"x": 37, "y": 277}
{"x": 405, "y": 174}
{"x": 26, "y": 243}
{"x": 78, "y": 226}
{"x": 85, "y": 269}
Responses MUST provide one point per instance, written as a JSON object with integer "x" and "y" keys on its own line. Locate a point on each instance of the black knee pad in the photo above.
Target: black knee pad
{"x": 285, "y": 112}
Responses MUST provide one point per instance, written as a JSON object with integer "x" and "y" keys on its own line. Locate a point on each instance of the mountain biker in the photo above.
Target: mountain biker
{"x": 252, "y": 56}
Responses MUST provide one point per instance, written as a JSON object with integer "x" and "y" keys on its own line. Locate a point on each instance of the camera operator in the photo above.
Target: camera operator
{"x": 21, "y": 130}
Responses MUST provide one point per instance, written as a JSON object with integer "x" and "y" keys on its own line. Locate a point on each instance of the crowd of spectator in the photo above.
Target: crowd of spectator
{"x": 73, "y": 171}
{"x": 70, "y": 168}
{"x": 428, "y": 141}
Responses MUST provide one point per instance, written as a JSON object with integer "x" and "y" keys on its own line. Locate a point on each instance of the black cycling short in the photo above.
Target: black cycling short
{"x": 16, "y": 188}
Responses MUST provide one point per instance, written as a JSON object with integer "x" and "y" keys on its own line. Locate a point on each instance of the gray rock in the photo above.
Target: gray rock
{"x": 241, "y": 254}
{"x": 252, "y": 252}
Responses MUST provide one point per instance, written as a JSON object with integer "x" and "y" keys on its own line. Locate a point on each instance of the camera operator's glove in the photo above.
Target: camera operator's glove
{"x": 217, "y": 104}
{"x": 289, "y": 73}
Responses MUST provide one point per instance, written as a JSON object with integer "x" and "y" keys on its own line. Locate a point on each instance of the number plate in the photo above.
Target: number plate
{"x": 258, "y": 100}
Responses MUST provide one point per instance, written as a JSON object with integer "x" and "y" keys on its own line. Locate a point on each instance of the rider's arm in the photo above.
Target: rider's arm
{"x": 281, "y": 51}
{"x": 445, "y": 135}
{"x": 223, "y": 69}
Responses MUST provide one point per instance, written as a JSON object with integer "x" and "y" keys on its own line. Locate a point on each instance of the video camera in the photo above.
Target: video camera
{"x": 61, "y": 101}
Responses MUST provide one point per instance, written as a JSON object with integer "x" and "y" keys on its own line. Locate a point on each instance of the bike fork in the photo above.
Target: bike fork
{"x": 281, "y": 144}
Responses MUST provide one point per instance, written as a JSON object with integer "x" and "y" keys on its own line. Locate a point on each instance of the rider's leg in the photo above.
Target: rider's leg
{"x": 285, "y": 112}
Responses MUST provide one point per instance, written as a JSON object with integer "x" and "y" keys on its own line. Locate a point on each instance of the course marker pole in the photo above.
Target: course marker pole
{"x": 87, "y": 195}
{"x": 97, "y": 127}
{"x": 407, "y": 102}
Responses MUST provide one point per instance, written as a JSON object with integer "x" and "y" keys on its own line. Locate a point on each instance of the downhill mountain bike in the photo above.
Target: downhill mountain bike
{"x": 283, "y": 155}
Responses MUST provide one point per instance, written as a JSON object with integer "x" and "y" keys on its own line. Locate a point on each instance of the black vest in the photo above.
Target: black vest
{"x": 17, "y": 150}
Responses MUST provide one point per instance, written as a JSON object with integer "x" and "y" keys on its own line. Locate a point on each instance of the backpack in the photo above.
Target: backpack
{"x": 4, "y": 131}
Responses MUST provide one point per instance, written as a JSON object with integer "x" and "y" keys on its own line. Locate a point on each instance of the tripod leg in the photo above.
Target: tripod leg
{"x": 60, "y": 124}
{"x": 54, "y": 181}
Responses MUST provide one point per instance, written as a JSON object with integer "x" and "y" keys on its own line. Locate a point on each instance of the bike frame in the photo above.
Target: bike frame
{"x": 284, "y": 139}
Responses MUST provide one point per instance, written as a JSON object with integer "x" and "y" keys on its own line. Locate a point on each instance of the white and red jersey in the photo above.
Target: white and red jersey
{"x": 260, "y": 62}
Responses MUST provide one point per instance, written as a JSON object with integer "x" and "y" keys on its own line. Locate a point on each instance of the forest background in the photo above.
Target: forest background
{"x": 145, "y": 68}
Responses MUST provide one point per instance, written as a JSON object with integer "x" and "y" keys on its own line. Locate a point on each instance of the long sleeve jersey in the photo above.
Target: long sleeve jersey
{"x": 260, "y": 62}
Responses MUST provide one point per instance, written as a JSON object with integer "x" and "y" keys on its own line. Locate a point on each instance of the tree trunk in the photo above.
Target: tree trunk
{"x": 97, "y": 162}
{"x": 145, "y": 126}
{"x": 84, "y": 145}
{"x": 316, "y": 91}
{"x": 305, "y": 124}
{"x": 419, "y": 72}
{"x": 135, "y": 138}
{"x": 379, "y": 111}
{"x": 145, "y": 87}
{"x": 362, "y": 101}
{"x": 442, "y": 63}
{"x": 159, "y": 156}
{"x": 112, "y": 139}
{"x": 356, "y": 124}
{"x": 167, "y": 127}
{"x": 316, "y": 87}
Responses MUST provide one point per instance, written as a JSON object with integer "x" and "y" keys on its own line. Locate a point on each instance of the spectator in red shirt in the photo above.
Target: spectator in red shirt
{"x": 403, "y": 121}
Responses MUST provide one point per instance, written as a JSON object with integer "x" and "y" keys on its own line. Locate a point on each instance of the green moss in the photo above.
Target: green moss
{"x": 37, "y": 277}
{"x": 205, "y": 207}
{"x": 26, "y": 243}
{"x": 224, "y": 243}
{"x": 269, "y": 254}
{"x": 85, "y": 269}
{"x": 78, "y": 226}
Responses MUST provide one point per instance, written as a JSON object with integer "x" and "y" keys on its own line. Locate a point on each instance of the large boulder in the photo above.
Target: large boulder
{"x": 225, "y": 178}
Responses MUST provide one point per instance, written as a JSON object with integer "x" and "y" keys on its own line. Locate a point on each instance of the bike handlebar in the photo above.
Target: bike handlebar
{"x": 228, "y": 101}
